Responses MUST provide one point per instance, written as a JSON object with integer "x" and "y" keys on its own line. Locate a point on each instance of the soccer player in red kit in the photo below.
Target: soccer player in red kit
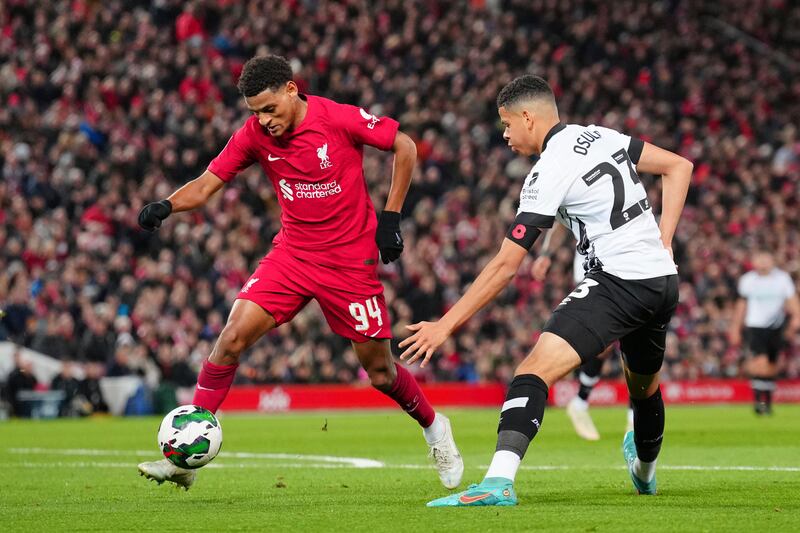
{"x": 311, "y": 148}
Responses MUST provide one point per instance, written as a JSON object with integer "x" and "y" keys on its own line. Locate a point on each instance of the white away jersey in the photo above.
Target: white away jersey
{"x": 586, "y": 179}
{"x": 766, "y": 297}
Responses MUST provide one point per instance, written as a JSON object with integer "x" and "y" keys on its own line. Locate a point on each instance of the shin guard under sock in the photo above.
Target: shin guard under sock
{"x": 522, "y": 413}
{"x": 648, "y": 426}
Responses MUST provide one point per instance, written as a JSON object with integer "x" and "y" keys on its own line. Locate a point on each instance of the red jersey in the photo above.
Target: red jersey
{"x": 327, "y": 216}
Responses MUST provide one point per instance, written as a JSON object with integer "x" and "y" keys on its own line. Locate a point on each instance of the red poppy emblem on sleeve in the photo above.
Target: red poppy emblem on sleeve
{"x": 519, "y": 231}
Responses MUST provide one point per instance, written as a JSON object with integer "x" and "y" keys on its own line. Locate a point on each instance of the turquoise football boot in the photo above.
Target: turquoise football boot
{"x": 629, "y": 453}
{"x": 491, "y": 491}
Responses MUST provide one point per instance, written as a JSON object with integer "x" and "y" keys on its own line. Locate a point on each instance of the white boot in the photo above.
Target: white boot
{"x": 164, "y": 470}
{"x": 445, "y": 455}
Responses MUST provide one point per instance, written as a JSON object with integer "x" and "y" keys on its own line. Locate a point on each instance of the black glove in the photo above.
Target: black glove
{"x": 388, "y": 237}
{"x": 151, "y": 215}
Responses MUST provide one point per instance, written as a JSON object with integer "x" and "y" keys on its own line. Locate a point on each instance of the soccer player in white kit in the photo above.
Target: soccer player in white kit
{"x": 586, "y": 177}
{"x": 766, "y": 294}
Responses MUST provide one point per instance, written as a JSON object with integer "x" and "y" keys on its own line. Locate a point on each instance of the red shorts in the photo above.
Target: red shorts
{"x": 351, "y": 300}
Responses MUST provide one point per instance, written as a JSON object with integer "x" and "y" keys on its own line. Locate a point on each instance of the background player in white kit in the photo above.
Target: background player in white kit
{"x": 766, "y": 294}
{"x": 577, "y": 408}
{"x": 586, "y": 177}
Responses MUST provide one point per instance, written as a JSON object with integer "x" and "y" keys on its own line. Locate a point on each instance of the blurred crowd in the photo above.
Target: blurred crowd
{"x": 105, "y": 106}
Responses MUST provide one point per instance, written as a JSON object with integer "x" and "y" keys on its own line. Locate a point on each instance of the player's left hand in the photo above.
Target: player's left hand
{"x": 428, "y": 337}
{"x": 388, "y": 237}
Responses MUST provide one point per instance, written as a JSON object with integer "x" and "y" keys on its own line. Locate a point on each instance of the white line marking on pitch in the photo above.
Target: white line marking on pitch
{"x": 329, "y": 461}
{"x": 354, "y": 462}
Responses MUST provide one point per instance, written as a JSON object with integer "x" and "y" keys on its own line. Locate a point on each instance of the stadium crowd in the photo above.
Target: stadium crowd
{"x": 105, "y": 106}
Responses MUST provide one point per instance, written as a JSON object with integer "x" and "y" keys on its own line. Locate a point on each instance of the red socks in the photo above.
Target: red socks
{"x": 407, "y": 393}
{"x": 213, "y": 384}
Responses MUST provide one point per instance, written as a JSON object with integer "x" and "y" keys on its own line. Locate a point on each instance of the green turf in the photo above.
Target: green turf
{"x": 48, "y": 490}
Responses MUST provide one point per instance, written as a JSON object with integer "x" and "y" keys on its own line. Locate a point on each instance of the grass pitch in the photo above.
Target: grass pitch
{"x": 721, "y": 469}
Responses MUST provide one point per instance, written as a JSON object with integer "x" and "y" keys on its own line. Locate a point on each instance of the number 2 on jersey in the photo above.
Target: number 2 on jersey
{"x": 362, "y": 314}
{"x": 619, "y": 217}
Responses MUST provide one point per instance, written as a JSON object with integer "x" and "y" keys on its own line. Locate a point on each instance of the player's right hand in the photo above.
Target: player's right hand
{"x": 540, "y": 267}
{"x": 151, "y": 215}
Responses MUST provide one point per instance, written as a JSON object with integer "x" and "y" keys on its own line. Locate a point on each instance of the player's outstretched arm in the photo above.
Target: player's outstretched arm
{"x": 192, "y": 195}
{"x": 388, "y": 236}
{"x": 676, "y": 173}
{"x": 495, "y": 276}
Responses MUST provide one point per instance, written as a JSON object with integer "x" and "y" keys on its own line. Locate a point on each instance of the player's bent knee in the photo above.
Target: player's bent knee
{"x": 377, "y": 360}
{"x": 381, "y": 374}
{"x": 381, "y": 379}
{"x": 231, "y": 342}
{"x": 641, "y": 386}
{"x": 551, "y": 359}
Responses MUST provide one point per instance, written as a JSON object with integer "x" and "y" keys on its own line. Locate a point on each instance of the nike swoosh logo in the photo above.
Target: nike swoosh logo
{"x": 204, "y": 388}
{"x": 270, "y": 157}
{"x": 472, "y": 499}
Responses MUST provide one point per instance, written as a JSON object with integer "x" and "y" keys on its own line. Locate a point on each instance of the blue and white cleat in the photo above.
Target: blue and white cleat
{"x": 491, "y": 491}
{"x": 629, "y": 453}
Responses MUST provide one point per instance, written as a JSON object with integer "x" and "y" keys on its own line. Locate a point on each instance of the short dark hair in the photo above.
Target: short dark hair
{"x": 526, "y": 87}
{"x": 263, "y": 73}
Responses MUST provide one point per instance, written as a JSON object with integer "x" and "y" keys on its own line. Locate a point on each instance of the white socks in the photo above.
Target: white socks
{"x": 435, "y": 431}
{"x": 644, "y": 471}
{"x": 504, "y": 464}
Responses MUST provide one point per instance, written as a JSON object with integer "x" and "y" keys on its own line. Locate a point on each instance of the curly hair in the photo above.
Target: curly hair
{"x": 526, "y": 87}
{"x": 262, "y": 73}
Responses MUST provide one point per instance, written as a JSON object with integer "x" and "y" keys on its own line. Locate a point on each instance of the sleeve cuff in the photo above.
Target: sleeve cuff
{"x": 635, "y": 150}
{"x": 535, "y": 220}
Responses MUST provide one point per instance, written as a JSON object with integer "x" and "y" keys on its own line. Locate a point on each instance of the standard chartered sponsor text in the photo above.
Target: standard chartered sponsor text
{"x": 317, "y": 190}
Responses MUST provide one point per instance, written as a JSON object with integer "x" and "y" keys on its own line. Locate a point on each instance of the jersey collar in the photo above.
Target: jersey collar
{"x": 555, "y": 129}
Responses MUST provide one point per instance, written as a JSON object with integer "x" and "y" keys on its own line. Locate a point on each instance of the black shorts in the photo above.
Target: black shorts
{"x": 767, "y": 341}
{"x": 605, "y": 308}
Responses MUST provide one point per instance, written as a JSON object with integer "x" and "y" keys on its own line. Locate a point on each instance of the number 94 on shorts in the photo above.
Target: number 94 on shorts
{"x": 351, "y": 299}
